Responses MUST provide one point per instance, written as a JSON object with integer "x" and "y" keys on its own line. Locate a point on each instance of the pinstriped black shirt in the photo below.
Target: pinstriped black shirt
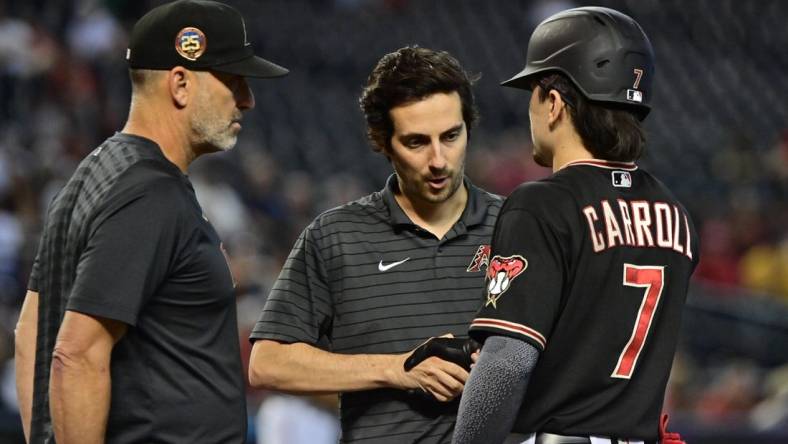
{"x": 125, "y": 239}
{"x": 363, "y": 278}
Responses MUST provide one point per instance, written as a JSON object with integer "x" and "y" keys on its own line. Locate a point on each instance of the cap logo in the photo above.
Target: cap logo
{"x": 190, "y": 43}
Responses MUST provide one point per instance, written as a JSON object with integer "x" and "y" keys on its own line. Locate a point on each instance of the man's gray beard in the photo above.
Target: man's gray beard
{"x": 209, "y": 130}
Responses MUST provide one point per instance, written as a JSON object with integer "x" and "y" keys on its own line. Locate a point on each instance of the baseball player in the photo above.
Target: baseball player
{"x": 128, "y": 332}
{"x": 369, "y": 281}
{"x": 589, "y": 267}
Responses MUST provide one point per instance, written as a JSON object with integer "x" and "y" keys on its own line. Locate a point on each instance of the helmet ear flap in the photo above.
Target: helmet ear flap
{"x": 605, "y": 54}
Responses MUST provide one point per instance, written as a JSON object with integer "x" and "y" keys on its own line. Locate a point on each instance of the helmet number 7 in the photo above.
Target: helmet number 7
{"x": 638, "y": 76}
{"x": 652, "y": 279}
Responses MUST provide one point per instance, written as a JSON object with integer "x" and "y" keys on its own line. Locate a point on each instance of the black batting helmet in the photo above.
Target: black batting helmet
{"x": 603, "y": 52}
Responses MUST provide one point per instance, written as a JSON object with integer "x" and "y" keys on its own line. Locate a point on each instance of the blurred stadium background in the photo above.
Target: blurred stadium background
{"x": 718, "y": 136}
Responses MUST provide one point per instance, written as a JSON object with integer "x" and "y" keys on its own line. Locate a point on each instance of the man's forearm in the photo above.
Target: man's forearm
{"x": 79, "y": 397}
{"x": 302, "y": 368}
{"x": 495, "y": 390}
{"x": 25, "y": 358}
{"x": 79, "y": 380}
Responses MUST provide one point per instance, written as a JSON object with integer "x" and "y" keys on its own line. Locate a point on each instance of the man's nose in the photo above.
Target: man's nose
{"x": 437, "y": 155}
{"x": 244, "y": 98}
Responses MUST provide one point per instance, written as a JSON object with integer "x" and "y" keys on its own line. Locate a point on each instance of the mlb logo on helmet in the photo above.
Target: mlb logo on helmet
{"x": 190, "y": 43}
{"x": 635, "y": 96}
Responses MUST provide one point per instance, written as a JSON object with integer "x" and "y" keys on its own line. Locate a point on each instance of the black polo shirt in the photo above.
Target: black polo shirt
{"x": 363, "y": 278}
{"x": 126, "y": 240}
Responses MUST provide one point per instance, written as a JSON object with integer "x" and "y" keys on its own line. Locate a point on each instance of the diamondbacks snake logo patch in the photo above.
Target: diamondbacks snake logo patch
{"x": 500, "y": 274}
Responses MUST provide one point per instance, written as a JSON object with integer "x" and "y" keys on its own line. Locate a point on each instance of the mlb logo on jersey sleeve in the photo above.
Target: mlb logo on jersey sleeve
{"x": 622, "y": 179}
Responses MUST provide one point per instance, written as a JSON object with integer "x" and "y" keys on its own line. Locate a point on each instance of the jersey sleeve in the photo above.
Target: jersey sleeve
{"x": 35, "y": 271}
{"x": 524, "y": 280}
{"x": 128, "y": 253}
{"x": 298, "y": 307}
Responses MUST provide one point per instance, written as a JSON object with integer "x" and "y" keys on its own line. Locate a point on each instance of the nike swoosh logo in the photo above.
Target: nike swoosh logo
{"x": 387, "y": 267}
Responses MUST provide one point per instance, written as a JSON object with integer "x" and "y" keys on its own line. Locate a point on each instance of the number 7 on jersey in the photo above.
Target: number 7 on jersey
{"x": 652, "y": 278}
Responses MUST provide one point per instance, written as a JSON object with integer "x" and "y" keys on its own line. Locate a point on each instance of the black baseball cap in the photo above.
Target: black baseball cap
{"x": 199, "y": 35}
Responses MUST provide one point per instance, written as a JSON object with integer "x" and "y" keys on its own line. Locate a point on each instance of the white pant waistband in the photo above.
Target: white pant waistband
{"x": 546, "y": 437}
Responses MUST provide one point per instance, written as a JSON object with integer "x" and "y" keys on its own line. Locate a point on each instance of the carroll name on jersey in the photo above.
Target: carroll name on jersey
{"x": 638, "y": 223}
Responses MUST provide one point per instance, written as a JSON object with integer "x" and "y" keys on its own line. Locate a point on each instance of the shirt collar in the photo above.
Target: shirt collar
{"x": 151, "y": 148}
{"x": 473, "y": 214}
{"x": 600, "y": 163}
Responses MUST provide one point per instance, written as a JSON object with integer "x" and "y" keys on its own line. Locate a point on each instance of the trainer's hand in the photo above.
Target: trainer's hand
{"x": 443, "y": 380}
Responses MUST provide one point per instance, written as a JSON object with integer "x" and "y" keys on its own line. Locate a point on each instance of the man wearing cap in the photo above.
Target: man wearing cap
{"x": 128, "y": 331}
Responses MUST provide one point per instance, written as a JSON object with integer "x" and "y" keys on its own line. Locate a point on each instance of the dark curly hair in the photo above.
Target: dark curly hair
{"x": 407, "y": 75}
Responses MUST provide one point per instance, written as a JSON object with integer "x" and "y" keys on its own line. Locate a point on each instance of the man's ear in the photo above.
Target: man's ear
{"x": 180, "y": 83}
{"x": 557, "y": 107}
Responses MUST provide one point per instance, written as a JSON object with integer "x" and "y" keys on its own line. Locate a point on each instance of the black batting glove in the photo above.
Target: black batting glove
{"x": 456, "y": 350}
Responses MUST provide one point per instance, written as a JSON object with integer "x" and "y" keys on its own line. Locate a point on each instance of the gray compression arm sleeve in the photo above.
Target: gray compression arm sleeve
{"x": 494, "y": 392}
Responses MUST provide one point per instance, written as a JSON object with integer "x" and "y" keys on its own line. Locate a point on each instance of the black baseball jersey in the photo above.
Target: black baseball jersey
{"x": 125, "y": 239}
{"x": 591, "y": 266}
{"x": 363, "y": 278}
